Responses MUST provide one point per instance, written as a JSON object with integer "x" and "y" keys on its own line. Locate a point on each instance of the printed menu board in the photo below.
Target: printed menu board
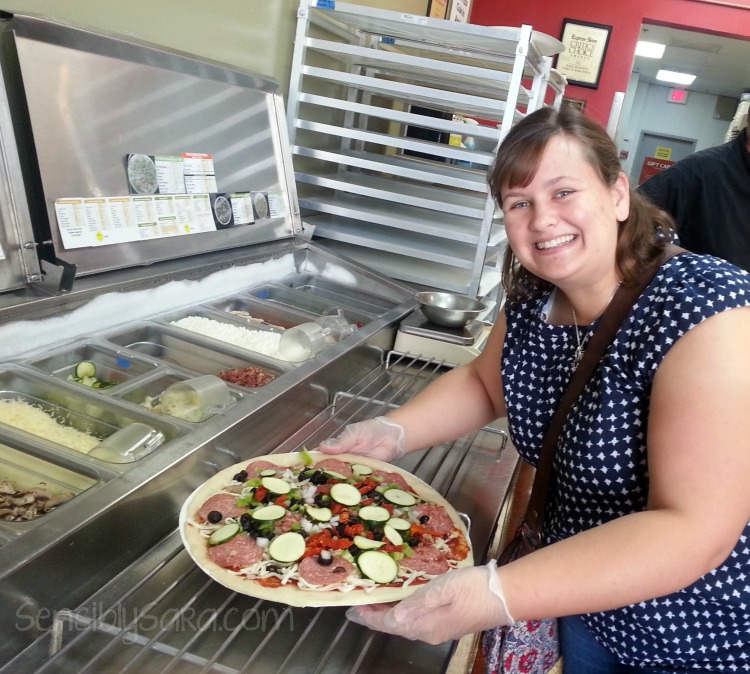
{"x": 169, "y": 196}
{"x": 96, "y": 221}
{"x": 190, "y": 173}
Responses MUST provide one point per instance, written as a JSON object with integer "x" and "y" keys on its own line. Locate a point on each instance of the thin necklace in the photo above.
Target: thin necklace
{"x": 578, "y": 354}
{"x": 579, "y": 349}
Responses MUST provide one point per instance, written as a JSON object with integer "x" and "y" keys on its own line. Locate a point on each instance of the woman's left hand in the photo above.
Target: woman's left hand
{"x": 457, "y": 603}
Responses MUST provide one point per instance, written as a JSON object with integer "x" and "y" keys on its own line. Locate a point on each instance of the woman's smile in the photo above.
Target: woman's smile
{"x": 555, "y": 243}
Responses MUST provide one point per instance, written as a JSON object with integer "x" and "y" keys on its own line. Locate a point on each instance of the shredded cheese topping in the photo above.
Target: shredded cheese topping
{"x": 27, "y": 417}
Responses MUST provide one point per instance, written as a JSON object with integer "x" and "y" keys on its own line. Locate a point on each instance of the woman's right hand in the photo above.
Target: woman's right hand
{"x": 379, "y": 438}
{"x": 459, "y": 602}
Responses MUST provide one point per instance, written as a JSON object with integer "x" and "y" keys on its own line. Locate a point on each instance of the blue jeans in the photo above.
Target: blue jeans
{"x": 583, "y": 654}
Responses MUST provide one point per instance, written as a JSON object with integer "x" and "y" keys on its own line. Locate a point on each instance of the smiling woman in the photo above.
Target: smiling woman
{"x": 645, "y": 464}
{"x": 563, "y": 195}
{"x": 554, "y": 224}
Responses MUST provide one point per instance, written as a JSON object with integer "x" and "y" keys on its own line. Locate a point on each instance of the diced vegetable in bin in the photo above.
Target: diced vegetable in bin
{"x": 85, "y": 373}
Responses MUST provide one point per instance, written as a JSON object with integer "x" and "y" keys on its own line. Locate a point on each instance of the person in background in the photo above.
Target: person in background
{"x": 648, "y": 541}
{"x": 708, "y": 195}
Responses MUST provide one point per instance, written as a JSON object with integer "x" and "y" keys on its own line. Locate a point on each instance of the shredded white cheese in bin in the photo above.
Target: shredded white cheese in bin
{"x": 27, "y": 417}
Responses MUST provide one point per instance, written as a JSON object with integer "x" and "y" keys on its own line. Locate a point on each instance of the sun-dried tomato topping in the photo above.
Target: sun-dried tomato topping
{"x": 419, "y": 530}
{"x": 366, "y": 485}
{"x": 324, "y": 541}
{"x": 389, "y": 547}
{"x": 260, "y": 493}
{"x": 352, "y": 530}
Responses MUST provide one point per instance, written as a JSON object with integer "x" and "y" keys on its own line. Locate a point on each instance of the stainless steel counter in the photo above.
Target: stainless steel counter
{"x": 134, "y": 601}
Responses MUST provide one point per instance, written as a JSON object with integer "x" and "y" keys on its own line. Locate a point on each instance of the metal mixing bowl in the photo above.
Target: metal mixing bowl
{"x": 449, "y": 309}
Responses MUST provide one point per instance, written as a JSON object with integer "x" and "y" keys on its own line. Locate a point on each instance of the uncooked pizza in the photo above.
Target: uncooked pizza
{"x": 311, "y": 529}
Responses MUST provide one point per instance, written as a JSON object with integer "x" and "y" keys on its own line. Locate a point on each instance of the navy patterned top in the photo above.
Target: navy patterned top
{"x": 600, "y": 468}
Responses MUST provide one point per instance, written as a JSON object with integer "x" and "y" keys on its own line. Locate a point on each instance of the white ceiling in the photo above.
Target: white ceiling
{"x": 722, "y": 65}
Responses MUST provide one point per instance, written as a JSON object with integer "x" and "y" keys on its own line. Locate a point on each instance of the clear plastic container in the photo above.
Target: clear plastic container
{"x": 307, "y": 339}
{"x": 129, "y": 444}
{"x": 196, "y": 399}
{"x": 335, "y": 327}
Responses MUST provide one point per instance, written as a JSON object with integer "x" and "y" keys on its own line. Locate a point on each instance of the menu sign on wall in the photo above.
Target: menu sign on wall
{"x": 190, "y": 173}
{"x": 198, "y": 171}
{"x": 170, "y": 196}
{"x": 242, "y": 208}
{"x": 85, "y": 222}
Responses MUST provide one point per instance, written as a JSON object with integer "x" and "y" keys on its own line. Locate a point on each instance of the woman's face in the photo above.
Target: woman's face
{"x": 563, "y": 225}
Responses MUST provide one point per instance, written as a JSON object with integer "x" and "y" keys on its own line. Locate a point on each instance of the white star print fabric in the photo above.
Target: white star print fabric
{"x": 600, "y": 466}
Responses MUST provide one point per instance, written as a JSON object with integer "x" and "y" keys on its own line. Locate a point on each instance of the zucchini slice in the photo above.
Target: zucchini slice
{"x": 276, "y": 486}
{"x": 334, "y": 475}
{"x": 287, "y": 548}
{"x": 319, "y": 514}
{"x": 377, "y": 566}
{"x": 399, "y": 497}
{"x": 361, "y": 469}
{"x": 268, "y": 472}
{"x": 269, "y": 513}
{"x": 85, "y": 368}
{"x": 224, "y": 534}
{"x": 345, "y": 494}
{"x": 392, "y": 535}
{"x": 374, "y": 514}
{"x": 399, "y": 524}
{"x": 348, "y": 556}
{"x": 364, "y": 543}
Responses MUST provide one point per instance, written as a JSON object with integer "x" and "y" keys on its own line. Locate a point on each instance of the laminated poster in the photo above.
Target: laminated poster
{"x": 101, "y": 221}
{"x": 169, "y": 196}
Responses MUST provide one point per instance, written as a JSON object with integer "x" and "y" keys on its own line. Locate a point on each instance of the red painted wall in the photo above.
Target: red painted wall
{"x": 625, "y": 18}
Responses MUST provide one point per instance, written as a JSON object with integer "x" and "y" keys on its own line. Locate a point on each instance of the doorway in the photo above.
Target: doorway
{"x": 705, "y": 114}
{"x": 664, "y": 148}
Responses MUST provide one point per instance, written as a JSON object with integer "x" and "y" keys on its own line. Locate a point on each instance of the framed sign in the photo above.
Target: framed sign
{"x": 585, "y": 48}
{"x": 459, "y": 11}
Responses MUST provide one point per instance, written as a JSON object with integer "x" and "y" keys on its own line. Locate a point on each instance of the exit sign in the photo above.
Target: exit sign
{"x": 677, "y": 96}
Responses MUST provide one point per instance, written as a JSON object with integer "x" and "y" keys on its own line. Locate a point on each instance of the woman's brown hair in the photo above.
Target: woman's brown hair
{"x": 642, "y": 235}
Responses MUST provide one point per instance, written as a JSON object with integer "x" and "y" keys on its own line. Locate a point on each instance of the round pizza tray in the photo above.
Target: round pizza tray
{"x": 195, "y": 543}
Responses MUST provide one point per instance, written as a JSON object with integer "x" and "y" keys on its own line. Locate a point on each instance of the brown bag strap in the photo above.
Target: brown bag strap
{"x": 614, "y": 315}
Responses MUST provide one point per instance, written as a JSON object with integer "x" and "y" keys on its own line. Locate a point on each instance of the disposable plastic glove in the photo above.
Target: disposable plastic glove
{"x": 457, "y": 603}
{"x": 378, "y": 438}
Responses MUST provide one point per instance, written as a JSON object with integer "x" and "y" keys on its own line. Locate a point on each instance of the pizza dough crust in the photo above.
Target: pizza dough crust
{"x": 291, "y": 595}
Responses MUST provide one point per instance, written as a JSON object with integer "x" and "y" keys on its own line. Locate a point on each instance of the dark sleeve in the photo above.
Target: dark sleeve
{"x": 664, "y": 189}
{"x": 673, "y": 190}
